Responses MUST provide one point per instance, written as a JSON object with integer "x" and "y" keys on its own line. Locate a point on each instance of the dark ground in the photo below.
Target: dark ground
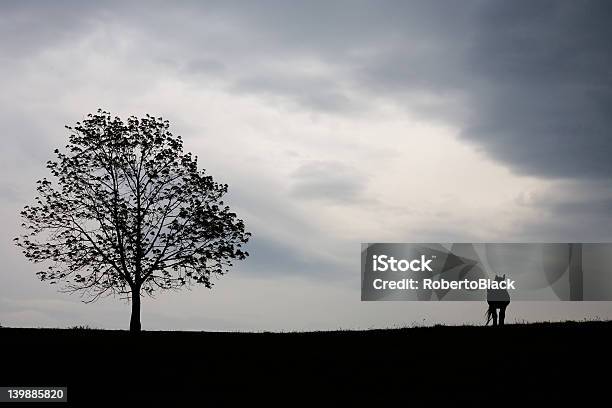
{"x": 518, "y": 364}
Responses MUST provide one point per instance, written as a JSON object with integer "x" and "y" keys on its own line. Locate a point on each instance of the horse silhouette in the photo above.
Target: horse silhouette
{"x": 498, "y": 299}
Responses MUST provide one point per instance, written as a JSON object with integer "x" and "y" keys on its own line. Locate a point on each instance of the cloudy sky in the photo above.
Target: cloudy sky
{"x": 334, "y": 123}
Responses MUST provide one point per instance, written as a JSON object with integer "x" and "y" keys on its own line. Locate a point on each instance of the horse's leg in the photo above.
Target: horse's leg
{"x": 494, "y": 315}
{"x": 502, "y": 314}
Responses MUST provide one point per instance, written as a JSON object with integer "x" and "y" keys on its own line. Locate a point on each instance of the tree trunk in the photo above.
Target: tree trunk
{"x": 135, "y": 320}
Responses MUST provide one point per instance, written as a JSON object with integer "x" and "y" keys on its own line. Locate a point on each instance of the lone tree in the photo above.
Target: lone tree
{"x": 129, "y": 213}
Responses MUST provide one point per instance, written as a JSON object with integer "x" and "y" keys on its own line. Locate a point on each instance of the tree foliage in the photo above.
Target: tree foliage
{"x": 127, "y": 212}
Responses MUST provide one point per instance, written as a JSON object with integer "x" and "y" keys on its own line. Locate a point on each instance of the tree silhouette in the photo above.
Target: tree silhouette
{"x": 129, "y": 213}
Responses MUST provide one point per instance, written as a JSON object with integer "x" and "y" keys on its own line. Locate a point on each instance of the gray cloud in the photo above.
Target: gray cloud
{"x": 528, "y": 82}
{"x": 328, "y": 181}
{"x": 32, "y": 28}
{"x": 319, "y": 94}
{"x": 271, "y": 258}
{"x": 572, "y": 211}
{"x": 544, "y": 87}
{"x": 202, "y": 66}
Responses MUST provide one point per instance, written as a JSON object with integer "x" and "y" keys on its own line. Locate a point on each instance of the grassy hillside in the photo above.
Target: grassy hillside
{"x": 541, "y": 362}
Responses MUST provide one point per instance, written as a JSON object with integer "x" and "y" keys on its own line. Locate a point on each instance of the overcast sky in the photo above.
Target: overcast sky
{"x": 334, "y": 123}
